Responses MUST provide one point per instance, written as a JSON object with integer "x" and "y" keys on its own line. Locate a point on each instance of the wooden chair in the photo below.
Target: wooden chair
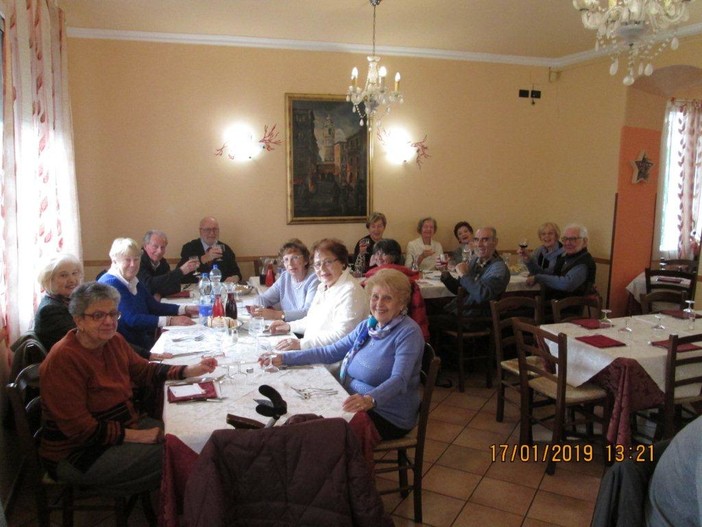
{"x": 664, "y": 295}
{"x": 664, "y": 279}
{"x": 688, "y": 266}
{"x": 527, "y": 309}
{"x": 402, "y": 463}
{"x": 676, "y": 379}
{"x": 50, "y": 494}
{"x": 460, "y": 334}
{"x": 546, "y": 376}
{"x": 566, "y": 309}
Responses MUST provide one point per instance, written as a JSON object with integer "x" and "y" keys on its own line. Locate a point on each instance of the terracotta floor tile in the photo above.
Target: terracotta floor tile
{"x": 452, "y": 414}
{"x": 433, "y": 450}
{"x": 467, "y": 459}
{"x": 531, "y": 522}
{"x": 486, "y": 421}
{"x": 451, "y": 482}
{"x": 527, "y": 473}
{"x": 437, "y": 510}
{"x": 479, "y": 439}
{"x": 561, "y": 510}
{"x": 404, "y": 522}
{"x": 464, "y": 400}
{"x": 503, "y": 495}
{"x": 441, "y": 431}
{"x": 474, "y": 515}
{"x": 573, "y": 484}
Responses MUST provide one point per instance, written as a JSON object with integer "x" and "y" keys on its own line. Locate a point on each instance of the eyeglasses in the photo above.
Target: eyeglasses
{"x": 571, "y": 239}
{"x": 292, "y": 258}
{"x": 324, "y": 263}
{"x": 210, "y": 229}
{"x": 99, "y": 316}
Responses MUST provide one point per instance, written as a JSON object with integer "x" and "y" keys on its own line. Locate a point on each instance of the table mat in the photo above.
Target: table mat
{"x": 681, "y": 347}
{"x": 678, "y": 313}
{"x": 669, "y": 279}
{"x": 600, "y": 341}
{"x": 589, "y": 323}
{"x": 181, "y": 294}
{"x": 209, "y": 392}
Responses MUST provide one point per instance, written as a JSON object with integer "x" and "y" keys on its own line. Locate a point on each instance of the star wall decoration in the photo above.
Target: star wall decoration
{"x": 642, "y": 168}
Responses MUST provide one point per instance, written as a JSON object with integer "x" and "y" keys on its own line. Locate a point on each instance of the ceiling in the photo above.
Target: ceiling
{"x": 532, "y": 32}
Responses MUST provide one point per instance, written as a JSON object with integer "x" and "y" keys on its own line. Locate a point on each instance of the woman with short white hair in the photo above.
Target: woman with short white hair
{"x": 141, "y": 313}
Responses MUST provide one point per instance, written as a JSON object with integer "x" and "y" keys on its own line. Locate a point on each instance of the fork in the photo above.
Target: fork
{"x": 196, "y": 338}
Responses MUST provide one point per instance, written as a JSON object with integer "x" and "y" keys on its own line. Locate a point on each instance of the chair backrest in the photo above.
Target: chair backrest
{"x": 574, "y": 307}
{"x": 27, "y": 412}
{"x": 430, "y": 370}
{"x": 688, "y": 266}
{"x": 663, "y": 295}
{"x": 525, "y": 308}
{"x": 27, "y": 349}
{"x": 672, "y": 280}
{"x": 534, "y": 341}
{"x": 673, "y": 379}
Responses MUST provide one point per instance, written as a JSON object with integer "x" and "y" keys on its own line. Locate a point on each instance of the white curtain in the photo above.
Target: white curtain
{"x": 681, "y": 184}
{"x": 39, "y": 202}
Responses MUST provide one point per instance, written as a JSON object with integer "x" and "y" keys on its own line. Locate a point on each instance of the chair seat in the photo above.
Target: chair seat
{"x": 512, "y": 365}
{"x": 394, "y": 444}
{"x": 583, "y": 393}
{"x": 470, "y": 334}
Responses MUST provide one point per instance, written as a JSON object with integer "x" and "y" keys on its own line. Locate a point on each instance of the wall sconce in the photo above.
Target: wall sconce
{"x": 400, "y": 148}
{"x": 241, "y": 144}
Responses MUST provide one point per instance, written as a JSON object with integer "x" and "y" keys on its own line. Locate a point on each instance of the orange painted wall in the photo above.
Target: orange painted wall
{"x": 636, "y": 208}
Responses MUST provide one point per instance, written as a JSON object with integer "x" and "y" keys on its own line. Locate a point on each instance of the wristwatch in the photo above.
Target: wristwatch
{"x": 372, "y": 400}
{"x": 282, "y": 317}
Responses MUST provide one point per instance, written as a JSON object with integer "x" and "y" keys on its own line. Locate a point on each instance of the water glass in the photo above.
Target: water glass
{"x": 605, "y": 322}
{"x": 690, "y": 314}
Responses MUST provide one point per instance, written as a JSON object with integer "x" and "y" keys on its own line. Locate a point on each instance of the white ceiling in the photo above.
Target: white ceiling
{"x": 536, "y": 32}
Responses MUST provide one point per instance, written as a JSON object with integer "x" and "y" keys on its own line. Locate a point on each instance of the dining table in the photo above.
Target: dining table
{"x": 627, "y": 357}
{"x": 637, "y": 287}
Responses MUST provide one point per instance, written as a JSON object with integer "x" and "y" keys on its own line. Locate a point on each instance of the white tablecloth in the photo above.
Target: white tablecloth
{"x": 585, "y": 361}
{"x": 637, "y": 287}
{"x": 431, "y": 286}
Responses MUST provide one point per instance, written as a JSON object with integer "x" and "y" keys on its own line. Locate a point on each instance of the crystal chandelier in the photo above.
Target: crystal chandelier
{"x": 375, "y": 95}
{"x": 637, "y": 29}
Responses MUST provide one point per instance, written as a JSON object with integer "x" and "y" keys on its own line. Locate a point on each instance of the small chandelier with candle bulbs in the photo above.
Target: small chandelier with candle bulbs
{"x": 375, "y": 96}
{"x": 637, "y": 29}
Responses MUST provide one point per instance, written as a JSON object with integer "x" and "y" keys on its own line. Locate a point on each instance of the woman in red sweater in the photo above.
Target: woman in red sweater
{"x": 93, "y": 435}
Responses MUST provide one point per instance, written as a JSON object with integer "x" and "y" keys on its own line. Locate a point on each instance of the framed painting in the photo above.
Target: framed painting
{"x": 329, "y": 154}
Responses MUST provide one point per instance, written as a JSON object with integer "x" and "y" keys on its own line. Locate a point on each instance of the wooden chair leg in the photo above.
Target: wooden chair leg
{"x": 500, "y": 401}
{"x": 417, "y": 494}
{"x": 402, "y": 462}
{"x": 148, "y": 508}
{"x": 461, "y": 366}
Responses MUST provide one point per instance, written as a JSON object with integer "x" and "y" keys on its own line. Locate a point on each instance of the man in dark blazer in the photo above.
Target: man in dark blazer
{"x": 154, "y": 271}
{"x": 210, "y": 251}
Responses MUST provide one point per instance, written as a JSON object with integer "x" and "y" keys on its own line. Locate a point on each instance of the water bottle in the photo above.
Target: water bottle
{"x": 215, "y": 274}
{"x": 204, "y": 285}
{"x": 205, "y": 302}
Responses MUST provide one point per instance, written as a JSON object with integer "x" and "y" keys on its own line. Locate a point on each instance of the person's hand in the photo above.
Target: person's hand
{"x": 234, "y": 279}
{"x": 189, "y": 266}
{"x": 269, "y": 314}
{"x": 357, "y": 403}
{"x": 147, "y": 436}
{"x": 426, "y": 253}
{"x": 160, "y": 356}
{"x": 363, "y": 246}
{"x": 288, "y": 345}
{"x": 265, "y": 360}
{"x": 192, "y": 310}
{"x": 181, "y": 320}
{"x": 278, "y": 327}
{"x": 462, "y": 269}
{"x": 523, "y": 253}
{"x": 206, "y": 365}
{"x": 531, "y": 280}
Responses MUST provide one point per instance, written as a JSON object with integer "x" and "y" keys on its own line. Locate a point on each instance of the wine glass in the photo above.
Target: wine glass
{"x": 466, "y": 253}
{"x": 626, "y": 328}
{"x": 267, "y": 352}
{"x": 690, "y": 314}
{"x": 659, "y": 324}
{"x": 605, "y": 321}
{"x": 256, "y": 327}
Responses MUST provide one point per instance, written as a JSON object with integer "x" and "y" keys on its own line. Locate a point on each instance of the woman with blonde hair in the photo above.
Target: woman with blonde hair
{"x": 543, "y": 259}
{"x": 422, "y": 251}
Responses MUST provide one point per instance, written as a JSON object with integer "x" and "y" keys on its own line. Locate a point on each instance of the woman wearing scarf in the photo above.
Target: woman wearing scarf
{"x": 382, "y": 358}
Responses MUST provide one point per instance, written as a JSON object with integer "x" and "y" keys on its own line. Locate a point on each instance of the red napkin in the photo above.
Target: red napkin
{"x": 182, "y": 294}
{"x": 681, "y": 347}
{"x": 600, "y": 341}
{"x": 208, "y": 387}
{"x": 589, "y": 323}
{"x": 678, "y": 313}
{"x": 669, "y": 279}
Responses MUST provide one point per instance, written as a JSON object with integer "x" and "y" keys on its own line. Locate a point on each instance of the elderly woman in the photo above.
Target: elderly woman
{"x": 422, "y": 251}
{"x": 382, "y": 358}
{"x": 58, "y": 278}
{"x": 388, "y": 255}
{"x": 463, "y": 231}
{"x": 93, "y": 435}
{"x": 141, "y": 312}
{"x": 339, "y": 304}
{"x": 543, "y": 259}
{"x": 294, "y": 291}
{"x": 376, "y": 227}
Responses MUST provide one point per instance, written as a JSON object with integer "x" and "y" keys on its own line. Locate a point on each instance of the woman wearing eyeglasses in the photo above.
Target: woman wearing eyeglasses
{"x": 339, "y": 304}
{"x": 294, "y": 290}
{"x": 142, "y": 314}
{"x": 543, "y": 259}
{"x": 92, "y": 433}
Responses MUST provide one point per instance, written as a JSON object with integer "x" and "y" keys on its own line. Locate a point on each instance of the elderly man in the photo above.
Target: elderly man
{"x": 154, "y": 271}
{"x": 574, "y": 272}
{"x": 210, "y": 251}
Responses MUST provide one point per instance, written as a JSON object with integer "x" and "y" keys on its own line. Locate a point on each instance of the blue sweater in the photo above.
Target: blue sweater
{"x": 294, "y": 298}
{"x": 140, "y": 312}
{"x": 386, "y": 368}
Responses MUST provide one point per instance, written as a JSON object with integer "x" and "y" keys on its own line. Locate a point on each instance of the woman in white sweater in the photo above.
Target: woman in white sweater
{"x": 422, "y": 252}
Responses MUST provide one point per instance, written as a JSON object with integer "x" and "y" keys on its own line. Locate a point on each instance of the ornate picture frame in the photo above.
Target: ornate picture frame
{"x": 328, "y": 159}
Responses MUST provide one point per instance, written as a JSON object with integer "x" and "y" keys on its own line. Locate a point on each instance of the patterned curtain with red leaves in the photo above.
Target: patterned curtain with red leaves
{"x": 39, "y": 214}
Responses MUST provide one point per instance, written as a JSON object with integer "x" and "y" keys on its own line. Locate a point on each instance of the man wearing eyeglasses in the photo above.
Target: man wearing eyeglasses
{"x": 209, "y": 251}
{"x": 575, "y": 270}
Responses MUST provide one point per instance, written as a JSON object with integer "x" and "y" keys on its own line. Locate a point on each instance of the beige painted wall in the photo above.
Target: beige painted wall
{"x": 148, "y": 117}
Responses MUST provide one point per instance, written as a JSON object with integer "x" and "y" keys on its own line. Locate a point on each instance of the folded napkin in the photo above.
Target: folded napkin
{"x": 681, "y": 347}
{"x": 192, "y": 392}
{"x": 181, "y": 294}
{"x": 589, "y": 323}
{"x": 678, "y": 313}
{"x": 669, "y": 279}
{"x": 600, "y": 341}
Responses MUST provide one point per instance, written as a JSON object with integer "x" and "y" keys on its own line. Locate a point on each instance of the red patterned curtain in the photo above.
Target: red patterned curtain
{"x": 38, "y": 198}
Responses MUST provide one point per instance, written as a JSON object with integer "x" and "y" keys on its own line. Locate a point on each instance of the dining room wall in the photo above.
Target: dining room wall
{"x": 148, "y": 117}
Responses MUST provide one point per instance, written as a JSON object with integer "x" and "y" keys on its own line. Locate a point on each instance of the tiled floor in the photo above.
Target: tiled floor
{"x": 463, "y": 487}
